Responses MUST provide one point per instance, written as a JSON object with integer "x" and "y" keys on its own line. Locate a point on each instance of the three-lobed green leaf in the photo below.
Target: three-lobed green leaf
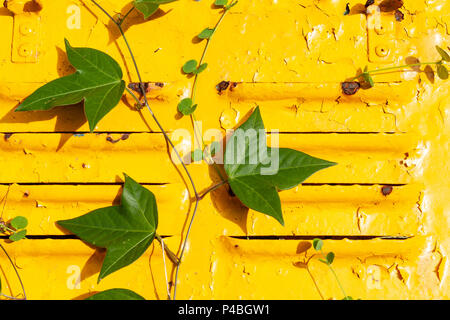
{"x": 247, "y": 161}
{"x": 116, "y": 294}
{"x": 126, "y": 231}
{"x": 97, "y": 81}
{"x": 149, "y": 7}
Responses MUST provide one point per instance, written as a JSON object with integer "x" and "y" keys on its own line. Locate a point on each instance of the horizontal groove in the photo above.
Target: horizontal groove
{"x": 323, "y": 237}
{"x": 76, "y": 132}
{"x": 77, "y": 183}
{"x": 338, "y": 132}
{"x": 167, "y": 183}
{"x": 159, "y": 132}
{"x": 58, "y": 237}
{"x": 354, "y": 184}
{"x": 306, "y": 82}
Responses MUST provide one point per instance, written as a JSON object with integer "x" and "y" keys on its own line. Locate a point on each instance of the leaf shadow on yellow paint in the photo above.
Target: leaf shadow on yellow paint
{"x": 134, "y": 18}
{"x": 68, "y": 118}
{"x": 302, "y": 248}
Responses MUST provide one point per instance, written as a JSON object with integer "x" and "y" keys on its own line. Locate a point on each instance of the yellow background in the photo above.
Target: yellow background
{"x": 288, "y": 57}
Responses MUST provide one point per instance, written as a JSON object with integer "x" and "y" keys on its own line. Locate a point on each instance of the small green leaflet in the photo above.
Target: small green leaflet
{"x": 190, "y": 66}
{"x": 445, "y": 56}
{"x": 206, "y": 33}
{"x": 126, "y": 231}
{"x": 317, "y": 244}
{"x": 328, "y": 259}
{"x": 367, "y": 77}
{"x": 247, "y": 157}
{"x": 442, "y": 72}
{"x": 97, "y": 81}
{"x": 19, "y": 222}
{"x": 149, "y": 7}
{"x": 221, "y": 2}
{"x": 19, "y": 235}
{"x": 116, "y": 294}
{"x": 185, "y": 106}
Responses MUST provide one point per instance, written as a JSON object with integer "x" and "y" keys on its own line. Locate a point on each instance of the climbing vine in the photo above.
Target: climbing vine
{"x": 128, "y": 229}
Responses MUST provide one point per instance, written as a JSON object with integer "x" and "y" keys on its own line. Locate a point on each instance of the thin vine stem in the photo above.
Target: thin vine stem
{"x": 214, "y": 187}
{"x": 18, "y": 276}
{"x": 337, "y": 280}
{"x": 172, "y": 256}
{"x": 197, "y": 133}
{"x": 335, "y": 276}
{"x": 141, "y": 86}
{"x": 394, "y": 68}
{"x": 193, "y": 119}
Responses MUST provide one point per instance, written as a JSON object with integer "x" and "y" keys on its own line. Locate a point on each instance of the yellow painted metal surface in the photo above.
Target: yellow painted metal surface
{"x": 289, "y": 58}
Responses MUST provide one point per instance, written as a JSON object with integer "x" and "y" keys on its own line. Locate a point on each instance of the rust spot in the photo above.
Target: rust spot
{"x": 386, "y": 190}
{"x": 347, "y": 9}
{"x": 26, "y": 194}
{"x": 369, "y": 3}
{"x": 159, "y": 84}
{"x": 7, "y": 136}
{"x": 399, "y": 16}
{"x": 236, "y": 246}
{"x": 390, "y": 5}
{"x": 350, "y": 87}
{"x": 124, "y": 136}
{"x": 222, "y": 86}
{"x": 233, "y": 85}
{"x": 135, "y": 86}
{"x": 109, "y": 139}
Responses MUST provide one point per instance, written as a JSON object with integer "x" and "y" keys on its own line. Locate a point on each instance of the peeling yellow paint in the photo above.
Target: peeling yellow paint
{"x": 289, "y": 58}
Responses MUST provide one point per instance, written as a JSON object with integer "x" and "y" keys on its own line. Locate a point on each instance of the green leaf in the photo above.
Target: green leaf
{"x": 197, "y": 155}
{"x": 116, "y": 294}
{"x": 442, "y": 72}
{"x": 248, "y": 163}
{"x": 97, "y": 81}
{"x": 317, "y": 244}
{"x": 190, "y": 66}
{"x": 221, "y": 2}
{"x": 368, "y": 79}
{"x": 149, "y": 7}
{"x": 126, "y": 231}
{"x": 347, "y": 298}
{"x": 214, "y": 148}
{"x": 19, "y": 222}
{"x": 201, "y": 68}
{"x": 19, "y": 235}
{"x": 443, "y": 54}
{"x": 185, "y": 106}
{"x": 330, "y": 257}
{"x": 206, "y": 33}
